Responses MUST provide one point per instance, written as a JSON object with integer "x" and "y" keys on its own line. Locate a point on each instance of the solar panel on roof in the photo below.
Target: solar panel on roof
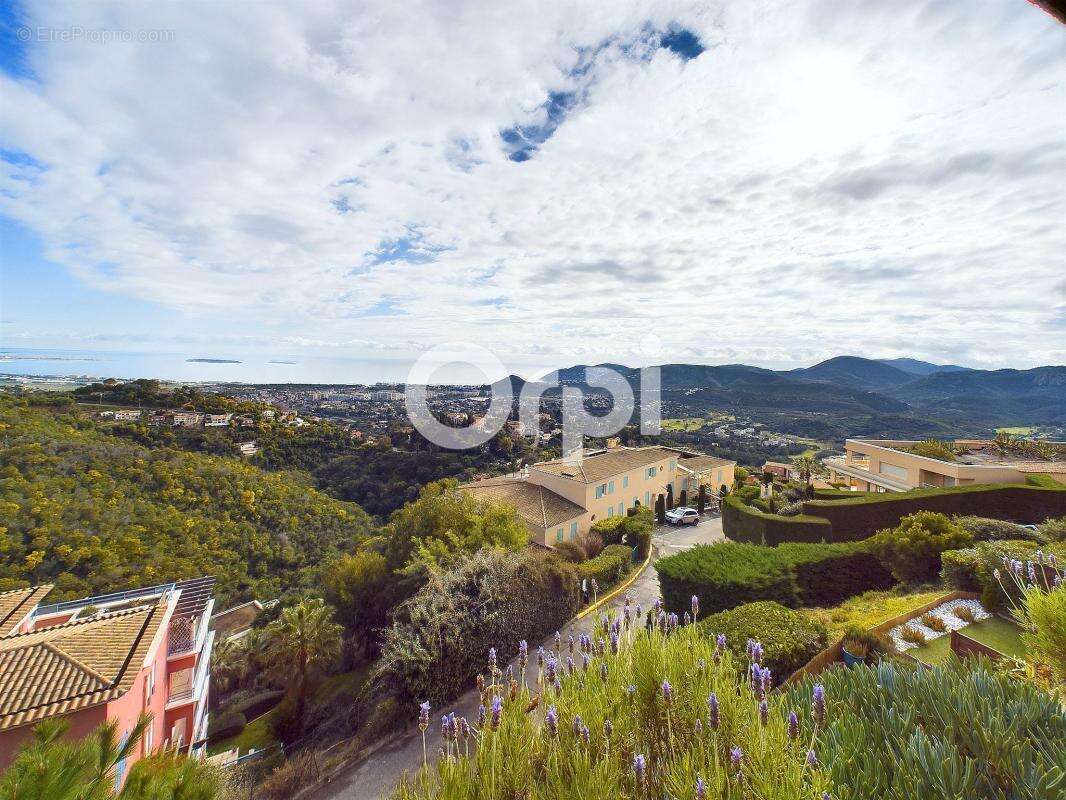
{"x": 195, "y": 595}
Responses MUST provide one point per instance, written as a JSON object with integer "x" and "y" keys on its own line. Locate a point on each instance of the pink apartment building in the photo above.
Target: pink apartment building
{"x": 109, "y": 657}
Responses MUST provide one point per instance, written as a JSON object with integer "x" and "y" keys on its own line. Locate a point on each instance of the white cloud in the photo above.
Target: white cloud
{"x": 822, "y": 179}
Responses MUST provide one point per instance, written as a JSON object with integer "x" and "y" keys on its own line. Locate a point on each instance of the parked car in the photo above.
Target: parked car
{"x": 683, "y": 516}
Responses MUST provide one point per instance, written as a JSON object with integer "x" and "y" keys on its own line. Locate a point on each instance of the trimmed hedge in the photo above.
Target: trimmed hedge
{"x": 862, "y": 517}
{"x": 743, "y": 523}
{"x": 608, "y": 567}
{"x": 797, "y": 574}
{"x": 829, "y": 573}
{"x": 627, "y": 529}
{"x": 789, "y": 639}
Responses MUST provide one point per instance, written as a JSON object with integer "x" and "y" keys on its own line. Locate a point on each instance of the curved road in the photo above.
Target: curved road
{"x": 379, "y": 775}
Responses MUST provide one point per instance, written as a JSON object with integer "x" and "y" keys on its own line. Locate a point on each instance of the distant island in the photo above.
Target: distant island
{"x": 212, "y": 361}
{"x": 282, "y": 362}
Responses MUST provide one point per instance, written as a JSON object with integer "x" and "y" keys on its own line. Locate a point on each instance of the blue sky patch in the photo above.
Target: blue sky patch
{"x": 683, "y": 42}
{"x": 523, "y": 140}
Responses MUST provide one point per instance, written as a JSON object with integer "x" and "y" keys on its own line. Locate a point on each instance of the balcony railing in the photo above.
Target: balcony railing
{"x": 104, "y": 599}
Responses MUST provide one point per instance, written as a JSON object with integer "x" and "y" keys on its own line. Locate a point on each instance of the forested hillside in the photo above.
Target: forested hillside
{"x": 91, "y": 512}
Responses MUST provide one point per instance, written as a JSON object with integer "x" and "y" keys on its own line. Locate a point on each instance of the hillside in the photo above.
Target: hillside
{"x": 858, "y": 373}
{"x": 94, "y": 513}
{"x": 916, "y": 367}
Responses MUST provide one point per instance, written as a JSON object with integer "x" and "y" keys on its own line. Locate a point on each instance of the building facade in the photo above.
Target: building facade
{"x": 884, "y": 465}
{"x": 560, "y": 500}
{"x": 108, "y": 658}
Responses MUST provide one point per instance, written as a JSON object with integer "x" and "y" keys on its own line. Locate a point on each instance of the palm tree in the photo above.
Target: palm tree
{"x": 302, "y": 638}
{"x": 254, "y": 646}
{"x": 805, "y": 465}
{"x": 227, "y": 665}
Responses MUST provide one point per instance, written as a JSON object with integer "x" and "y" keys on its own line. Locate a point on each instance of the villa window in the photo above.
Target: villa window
{"x": 559, "y": 535}
{"x": 651, "y": 472}
{"x": 610, "y": 488}
{"x": 610, "y": 511}
{"x": 625, "y": 482}
{"x": 621, "y": 509}
{"x": 673, "y": 463}
{"x": 573, "y": 531}
{"x": 601, "y": 490}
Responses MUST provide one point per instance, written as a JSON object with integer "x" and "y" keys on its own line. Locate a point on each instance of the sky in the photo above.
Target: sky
{"x": 646, "y": 182}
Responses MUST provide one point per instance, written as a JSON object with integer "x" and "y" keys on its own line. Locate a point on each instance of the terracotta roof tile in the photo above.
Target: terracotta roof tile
{"x": 593, "y": 469}
{"x": 535, "y": 504}
{"x": 75, "y": 665}
{"x": 16, "y": 604}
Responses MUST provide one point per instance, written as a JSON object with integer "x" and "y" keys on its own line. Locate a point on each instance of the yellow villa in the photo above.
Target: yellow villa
{"x": 560, "y": 500}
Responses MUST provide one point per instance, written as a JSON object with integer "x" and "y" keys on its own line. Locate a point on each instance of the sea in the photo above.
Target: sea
{"x": 197, "y": 367}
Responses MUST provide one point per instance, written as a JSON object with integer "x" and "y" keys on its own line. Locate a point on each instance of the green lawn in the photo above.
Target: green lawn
{"x": 1020, "y": 430}
{"x": 256, "y": 734}
{"x": 995, "y": 632}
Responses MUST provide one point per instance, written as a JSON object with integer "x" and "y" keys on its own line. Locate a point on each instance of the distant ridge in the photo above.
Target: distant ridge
{"x": 916, "y": 367}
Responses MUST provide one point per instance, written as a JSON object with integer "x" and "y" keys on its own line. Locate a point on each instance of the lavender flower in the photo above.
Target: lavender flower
{"x": 631, "y": 693}
{"x": 605, "y": 623}
{"x": 695, "y": 606}
{"x": 578, "y": 724}
{"x": 569, "y": 665}
{"x": 749, "y": 649}
{"x": 558, "y": 641}
{"x": 661, "y": 619}
{"x": 570, "y": 643}
{"x": 523, "y": 653}
{"x": 719, "y": 642}
{"x": 492, "y": 660}
{"x": 480, "y": 681}
{"x": 818, "y": 703}
{"x": 793, "y": 725}
{"x": 627, "y": 616}
{"x": 481, "y": 713}
{"x": 658, "y": 606}
{"x": 603, "y": 671}
{"x": 540, "y": 658}
{"x": 552, "y": 670}
{"x": 698, "y": 727}
{"x": 687, "y": 620}
{"x": 601, "y": 646}
{"x": 1031, "y": 571}
{"x": 586, "y": 735}
{"x": 423, "y": 715}
{"x": 551, "y": 719}
{"x": 640, "y": 612}
{"x": 812, "y": 760}
{"x": 614, "y": 643}
{"x": 445, "y": 728}
{"x": 608, "y": 729}
{"x": 497, "y": 710}
{"x": 586, "y": 662}
{"x": 668, "y": 692}
{"x": 757, "y": 652}
{"x": 712, "y": 711}
{"x": 464, "y": 728}
{"x": 764, "y": 712}
{"x": 701, "y": 789}
{"x": 735, "y": 756}
{"x": 640, "y": 768}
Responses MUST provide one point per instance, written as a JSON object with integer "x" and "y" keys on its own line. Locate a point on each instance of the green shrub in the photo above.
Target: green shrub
{"x": 1054, "y": 530}
{"x": 863, "y": 515}
{"x": 608, "y": 567}
{"x": 743, "y": 523}
{"x": 570, "y": 551}
{"x": 726, "y": 575}
{"x": 226, "y": 725}
{"x": 440, "y": 638}
{"x": 984, "y": 529}
{"x": 789, "y": 638}
{"x": 795, "y": 574}
{"x": 934, "y": 448}
{"x": 958, "y": 731}
{"x": 971, "y": 569}
{"x": 912, "y": 549}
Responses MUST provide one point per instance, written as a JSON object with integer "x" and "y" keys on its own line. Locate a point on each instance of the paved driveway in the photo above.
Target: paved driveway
{"x": 379, "y": 775}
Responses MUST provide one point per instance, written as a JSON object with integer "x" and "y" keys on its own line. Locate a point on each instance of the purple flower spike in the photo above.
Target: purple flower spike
{"x": 793, "y": 725}
{"x": 818, "y": 703}
{"x": 608, "y": 728}
{"x": 812, "y": 760}
{"x": 586, "y": 736}
{"x": 497, "y": 710}
{"x": 578, "y": 724}
{"x": 552, "y": 669}
{"x": 735, "y": 756}
{"x": 764, "y": 712}
{"x": 540, "y": 657}
{"x": 640, "y": 611}
{"x": 757, "y": 652}
{"x": 464, "y": 728}
{"x": 640, "y": 768}
{"x": 698, "y": 726}
{"x": 569, "y": 665}
{"x": 712, "y": 711}
{"x": 695, "y": 606}
{"x": 492, "y": 659}
{"x": 687, "y": 619}
{"x": 558, "y": 641}
{"x": 668, "y": 692}
{"x": 481, "y": 714}
{"x": 423, "y": 715}
{"x": 603, "y": 671}
{"x": 551, "y": 719}
{"x": 701, "y": 789}
{"x": 614, "y": 643}
{"x": 658, "y": 606}
{"x": 570, "y": 643}
{"x": 586, "y": 662}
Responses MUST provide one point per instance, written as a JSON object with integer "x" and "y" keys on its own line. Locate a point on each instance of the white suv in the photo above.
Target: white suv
{"x": 683, "y": 516}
